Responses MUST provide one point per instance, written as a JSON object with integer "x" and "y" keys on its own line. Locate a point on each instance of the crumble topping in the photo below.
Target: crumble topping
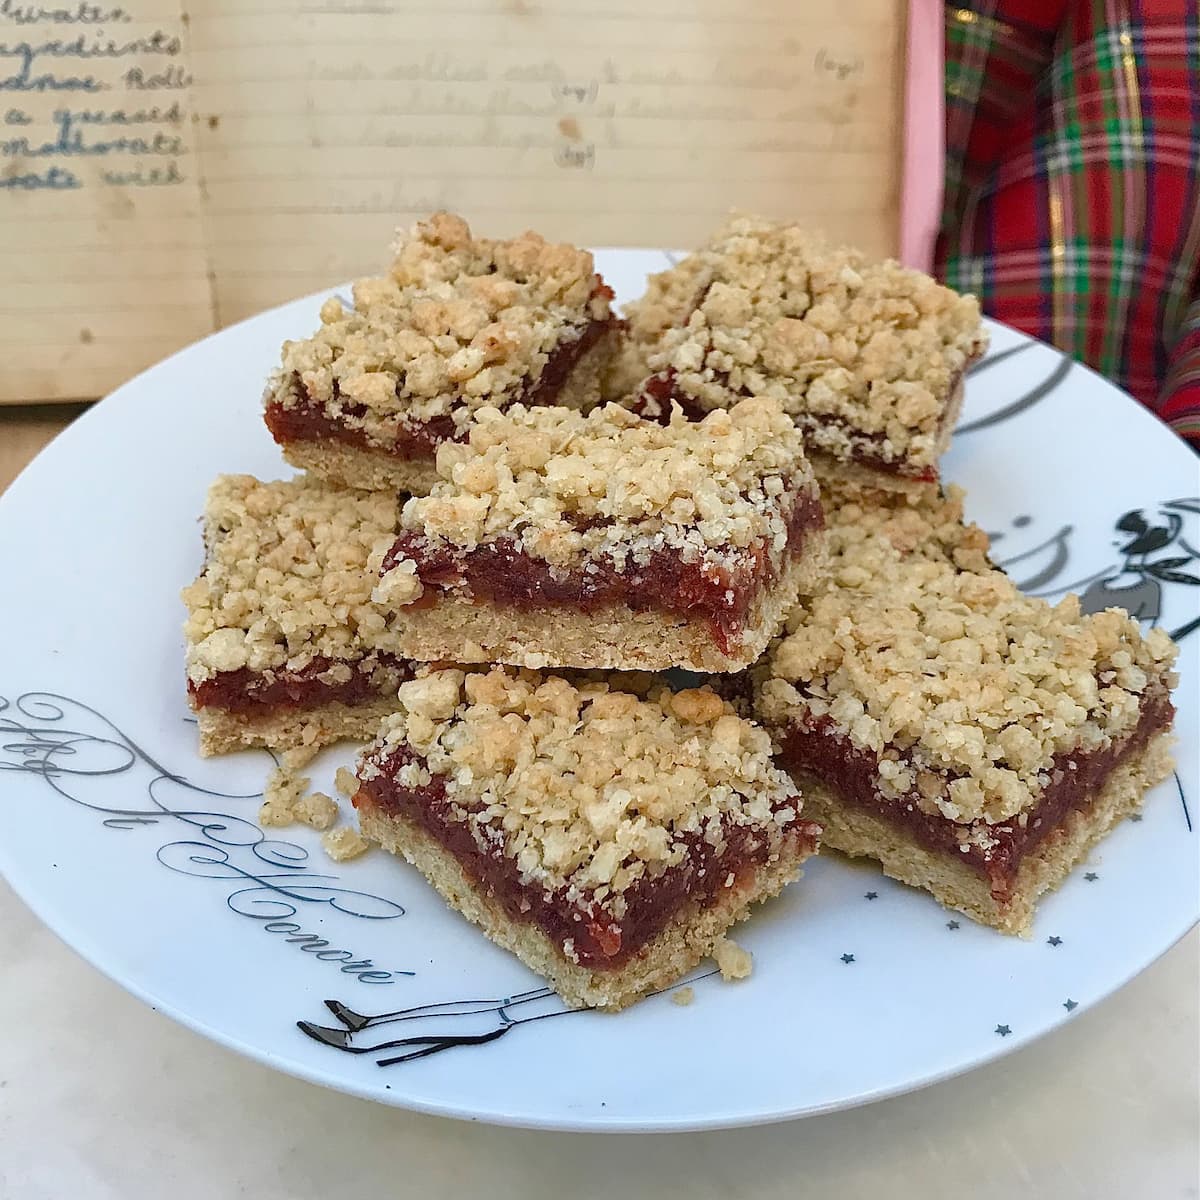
{"x": 458, "y": 322}
{"x": 866, "y": 533}
{"x": 864, "y": 355}
{"x": 288, "y": 576}
{"x": 732, "y": 961}
{"x": 567, "y": 486}
{"x": 683, "y": 996}
{"x": 668, "y": 302}
{"x": 964, "y": 688}
{"x": 583, "y": 788}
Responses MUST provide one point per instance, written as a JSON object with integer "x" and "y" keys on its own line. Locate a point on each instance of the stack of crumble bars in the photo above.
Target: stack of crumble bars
{"x": 514, "y": 501}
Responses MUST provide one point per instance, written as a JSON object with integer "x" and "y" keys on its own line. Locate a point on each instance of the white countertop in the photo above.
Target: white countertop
{"x": 101, "y": 1097}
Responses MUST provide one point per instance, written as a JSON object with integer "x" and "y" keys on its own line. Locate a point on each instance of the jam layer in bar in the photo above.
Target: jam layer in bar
{"x": 557, "y": 539}
{"x": 977, "y": 742}
{"x": 457, "y": 324}
{"x": 608, "y": 839}
{"x": 284, "y": 643}
{"x": 868, "y": 358}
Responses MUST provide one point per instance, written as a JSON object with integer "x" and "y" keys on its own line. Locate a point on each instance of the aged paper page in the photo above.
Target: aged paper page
{"x": 102, "y": 252}
{"x": 323, "y": 124}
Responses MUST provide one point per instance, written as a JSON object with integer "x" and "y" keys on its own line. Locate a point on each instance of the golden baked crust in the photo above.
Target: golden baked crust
{"x": 368, "y": 468}
{"x": 321, "y": 723}
{"x": 865, "y": 356}
{"x": 569, "y": 486}
{"x": 965, "y": 689}
{"x": 587, "y": 790}
{"x": 459, "y": 322}
{"x": 288, "y": 574}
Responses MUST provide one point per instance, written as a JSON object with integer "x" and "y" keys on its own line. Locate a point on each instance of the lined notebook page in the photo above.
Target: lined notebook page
{"x": 102, "y": 251}
{"x": 163, "y": 173}
{"x": 326, "y": 123}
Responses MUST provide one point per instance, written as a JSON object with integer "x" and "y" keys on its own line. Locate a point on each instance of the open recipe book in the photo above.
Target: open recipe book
{"x": 165, "y": 172}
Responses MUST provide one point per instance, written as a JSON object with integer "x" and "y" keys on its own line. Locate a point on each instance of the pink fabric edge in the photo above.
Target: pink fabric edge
{"x": 923, "y": 173}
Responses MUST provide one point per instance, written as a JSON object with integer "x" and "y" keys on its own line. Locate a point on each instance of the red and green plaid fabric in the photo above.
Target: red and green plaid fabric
{"x": 1072, "y": 202}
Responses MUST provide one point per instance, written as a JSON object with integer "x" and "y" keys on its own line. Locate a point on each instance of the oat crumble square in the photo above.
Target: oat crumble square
{"x": 603, "y": 540}
{"x": 867, "y": 357}
{"x": 607, "y": 839}
{"x": 976, "y": 741}
{"x": 458, "y": 323}
{"x": 285, "y": 646}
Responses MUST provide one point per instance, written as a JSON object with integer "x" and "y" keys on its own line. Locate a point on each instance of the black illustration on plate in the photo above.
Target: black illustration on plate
{"x": 428, "y": 1029}
{"x": 1027, "y": 399}
{"x": 69, "y": 745}
{"x": 1152, "y": 551}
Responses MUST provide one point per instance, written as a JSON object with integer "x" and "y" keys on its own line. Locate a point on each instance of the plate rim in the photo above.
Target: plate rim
{"x": 299, "y": 1068}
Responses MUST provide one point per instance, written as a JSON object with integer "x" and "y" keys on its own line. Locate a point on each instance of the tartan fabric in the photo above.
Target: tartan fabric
{"x": 1072, "y": 204}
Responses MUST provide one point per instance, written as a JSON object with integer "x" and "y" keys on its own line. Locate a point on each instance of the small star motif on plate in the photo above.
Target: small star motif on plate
{"x": 1003, "y": 1030}
{"x": 871, "y": 896}
{"x": 1136, "y": 817}
{"x": 1054, "y": 941}
{"x": 1091, "y": 877}
{"x": 1070, "y": 1004}
{"x": 951, "y": 924}
{"x": 847, "y": 958}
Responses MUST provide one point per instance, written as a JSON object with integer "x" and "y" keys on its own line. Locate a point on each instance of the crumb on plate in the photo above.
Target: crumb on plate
{"x": 732, "y": 960}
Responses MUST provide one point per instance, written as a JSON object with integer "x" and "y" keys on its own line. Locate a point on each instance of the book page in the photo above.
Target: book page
{"x": 324, "y": 124}
{"x": 140, "y": 208}
{"x": 102, "y": 251}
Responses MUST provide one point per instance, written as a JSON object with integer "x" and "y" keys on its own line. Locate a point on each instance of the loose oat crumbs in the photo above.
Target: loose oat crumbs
{"x": 317, "y": 810}
{"x": 283, "y": 791}
{"x": 732, "y": 961}
{"x": 344, "y": 843}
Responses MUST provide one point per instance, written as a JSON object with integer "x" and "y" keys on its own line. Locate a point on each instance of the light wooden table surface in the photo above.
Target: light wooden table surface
{"x": 102, "y": 1098}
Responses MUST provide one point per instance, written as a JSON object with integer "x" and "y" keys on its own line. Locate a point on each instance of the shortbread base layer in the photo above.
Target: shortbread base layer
{"x": 689, "y": 937}
{"x": 856, "y": 481}
{"x": 609, "y": 637}
{"x": 355, "y": 466}
{"x": 860, "y": 834}
{"x": 855, "y": 477}
{"x": 222, "y": 732}
{"x": 953, "y": 411}
{"x": 376, "y": 470}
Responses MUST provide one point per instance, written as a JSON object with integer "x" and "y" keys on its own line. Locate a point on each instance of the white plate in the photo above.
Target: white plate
{"x": 147, "y": 860}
